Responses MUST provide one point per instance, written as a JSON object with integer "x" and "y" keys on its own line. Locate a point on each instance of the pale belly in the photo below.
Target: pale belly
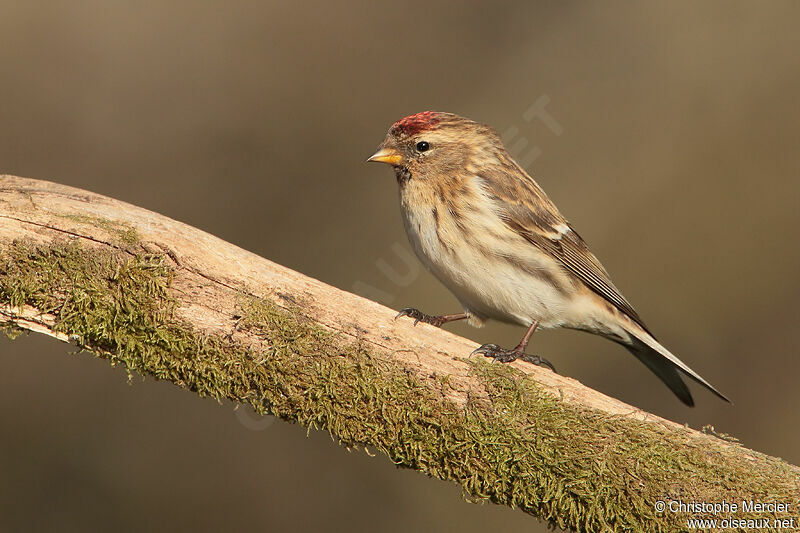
{"x": 492, "y": 287}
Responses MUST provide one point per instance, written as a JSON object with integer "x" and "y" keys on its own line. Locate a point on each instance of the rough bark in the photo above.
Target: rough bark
{"x": 165, "y": 299}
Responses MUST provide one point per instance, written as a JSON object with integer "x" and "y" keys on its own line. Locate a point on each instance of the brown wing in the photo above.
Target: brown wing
{"x": 526, "y": 209}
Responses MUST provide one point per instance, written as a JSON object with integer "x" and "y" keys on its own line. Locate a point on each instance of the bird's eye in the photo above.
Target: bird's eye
{"x": 423, "y": 146}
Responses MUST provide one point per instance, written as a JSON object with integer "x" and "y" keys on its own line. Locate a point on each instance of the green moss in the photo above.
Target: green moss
{"x": 11, "y": 331}
{"x": 573, "y": 467}
{"x": 708, "y": 429}
{"x": 124, "y": 233}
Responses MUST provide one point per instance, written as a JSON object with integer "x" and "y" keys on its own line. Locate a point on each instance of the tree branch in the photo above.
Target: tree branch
{"x": 165, "y": 299}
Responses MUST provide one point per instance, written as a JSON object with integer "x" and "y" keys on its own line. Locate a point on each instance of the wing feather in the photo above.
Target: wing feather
{"x": 525, "y": 208}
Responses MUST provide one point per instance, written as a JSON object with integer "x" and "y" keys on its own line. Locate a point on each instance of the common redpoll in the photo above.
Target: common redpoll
{"x": 489, "y": 233}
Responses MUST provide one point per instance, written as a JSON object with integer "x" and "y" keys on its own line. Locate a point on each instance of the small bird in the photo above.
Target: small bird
{"x": 491, "y": 235}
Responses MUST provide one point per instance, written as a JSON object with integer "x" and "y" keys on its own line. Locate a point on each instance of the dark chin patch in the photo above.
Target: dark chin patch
{"x": 402, "y": 174}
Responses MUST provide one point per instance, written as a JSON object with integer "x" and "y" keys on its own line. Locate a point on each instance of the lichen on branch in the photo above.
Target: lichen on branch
{"x": 516, "y": 445}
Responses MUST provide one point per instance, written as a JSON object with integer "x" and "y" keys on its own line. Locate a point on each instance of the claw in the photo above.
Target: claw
{"x": 403, "y": 312}
{"x": 410, "y": 312}
{"x": 538, "y": 361}
{"x": 499, "y": 355}
{"x": 419, "y": 316}
{"x": 485, "y": 349}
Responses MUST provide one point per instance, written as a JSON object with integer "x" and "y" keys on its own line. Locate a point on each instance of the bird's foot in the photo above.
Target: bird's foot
{"x": 419, "y": 316}
{"x": 506, "y": 356}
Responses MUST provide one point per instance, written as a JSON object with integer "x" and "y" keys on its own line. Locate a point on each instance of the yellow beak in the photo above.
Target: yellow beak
{"x": 386, "y": 155}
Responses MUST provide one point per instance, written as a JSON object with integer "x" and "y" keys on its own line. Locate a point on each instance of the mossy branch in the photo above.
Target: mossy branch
{"x": 164, "y": 299}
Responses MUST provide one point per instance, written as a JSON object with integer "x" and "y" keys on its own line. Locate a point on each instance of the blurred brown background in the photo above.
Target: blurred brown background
{"x": 677, "y": 160}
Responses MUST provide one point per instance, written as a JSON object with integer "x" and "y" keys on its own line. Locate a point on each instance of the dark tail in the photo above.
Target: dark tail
{"x": 665, "y": 365}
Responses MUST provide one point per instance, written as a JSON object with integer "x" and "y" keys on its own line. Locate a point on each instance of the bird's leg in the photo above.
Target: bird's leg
{"x": 506, "y": 356}
{"x": 437, "y": 321}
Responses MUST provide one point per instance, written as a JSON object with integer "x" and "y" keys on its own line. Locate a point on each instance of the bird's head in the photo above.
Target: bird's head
{"x": 431, "y": 144}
